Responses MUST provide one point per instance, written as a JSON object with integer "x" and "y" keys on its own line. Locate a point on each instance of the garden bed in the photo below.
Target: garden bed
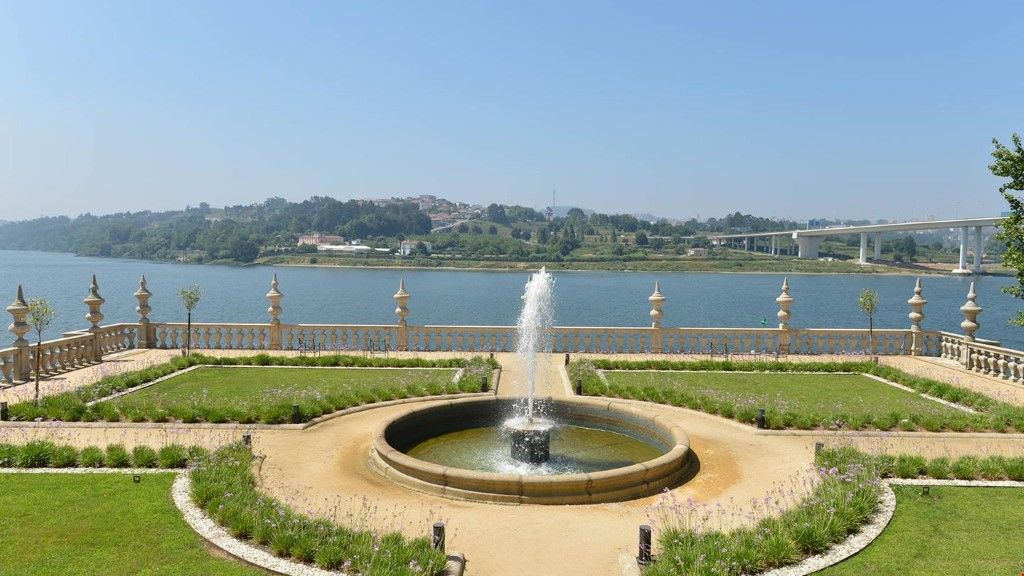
{"x": 808, "y": 396}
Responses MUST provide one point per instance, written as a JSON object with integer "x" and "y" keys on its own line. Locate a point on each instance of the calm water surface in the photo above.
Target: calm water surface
{"x": 363, "y": 296}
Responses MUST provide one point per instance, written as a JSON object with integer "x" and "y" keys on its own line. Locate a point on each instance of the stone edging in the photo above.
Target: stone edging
{"x": 852, "y": 545}
{"x": 128, "y": 391}
{"x": 197, "y": 519}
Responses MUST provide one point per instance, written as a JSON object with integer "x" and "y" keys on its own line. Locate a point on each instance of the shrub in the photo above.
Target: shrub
{"x": 965, "y": 468}
{"x": 173, "y": 456}
{"x": 144, "y": 457}
{"x": 64, "y": 457}
{"x": 9, "y": 455}
{"x": 117, "y": 456}
{"x": 938, "y": 468}
{"x": 909, "y": 466}
{"x": 36, "y": 454}
{"x": 92, "y": 457}
{"x": 223, "y": 484}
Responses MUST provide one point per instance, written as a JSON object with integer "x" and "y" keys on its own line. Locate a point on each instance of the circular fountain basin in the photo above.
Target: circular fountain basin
{"x": 601, "y": 451}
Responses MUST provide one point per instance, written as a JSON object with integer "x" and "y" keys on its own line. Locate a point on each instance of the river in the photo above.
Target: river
{"x": 363, "y": 295}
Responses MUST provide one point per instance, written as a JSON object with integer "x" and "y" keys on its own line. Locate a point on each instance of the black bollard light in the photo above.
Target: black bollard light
{"x": 818, "y": 447}
{"x": 136, "y": 478}
{"x": 566, "y": 358}
{"x": 579, "y": 387}
{"x": 5, "y": 413}
{"x": 437, "y": 536}
{"x": 483, "y": 383}
{"x": 761, "y": 421}
{"x": 247, "y": 439}
{"x": 296, "y": 414}
{"x": 644, "y": 557}
{"x": 492, "y": 355}
{"x": 926, "y": 490}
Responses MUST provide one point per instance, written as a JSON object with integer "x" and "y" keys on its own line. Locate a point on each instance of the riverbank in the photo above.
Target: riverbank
{"x": 753, "y": 265}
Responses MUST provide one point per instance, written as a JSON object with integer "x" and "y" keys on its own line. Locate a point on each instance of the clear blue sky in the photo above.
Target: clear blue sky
{"x": 800, "y": 109}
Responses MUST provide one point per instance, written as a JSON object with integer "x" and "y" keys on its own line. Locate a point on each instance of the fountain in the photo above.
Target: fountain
{"x": 529, "y": 450}
{"x": 531, "y": 437}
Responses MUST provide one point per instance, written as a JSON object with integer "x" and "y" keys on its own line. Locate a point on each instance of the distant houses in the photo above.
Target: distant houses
{"x": 319, "y": 238}
{"x": 408, "y": 247}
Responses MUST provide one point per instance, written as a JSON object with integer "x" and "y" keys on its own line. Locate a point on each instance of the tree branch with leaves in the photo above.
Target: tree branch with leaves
{"x": 868, "y": 303}
{"x": 1009, "y": 163}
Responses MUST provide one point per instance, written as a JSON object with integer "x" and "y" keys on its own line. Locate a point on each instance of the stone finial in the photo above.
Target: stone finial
{"x": 657, "y": 300}
{"x": 785, "y": 301}
{"x": 19, "y": 311}
{"x": 142, "y": 295}
{"x": 402, "y": 299}
{"x": 94, "y": 301}
{"x": 971, "y": 310}
{"x": 274, "y": 297}
{"x": 917, "y": 303}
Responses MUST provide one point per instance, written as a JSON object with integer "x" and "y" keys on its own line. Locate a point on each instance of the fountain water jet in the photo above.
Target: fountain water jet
{"x": 531, "y": 437}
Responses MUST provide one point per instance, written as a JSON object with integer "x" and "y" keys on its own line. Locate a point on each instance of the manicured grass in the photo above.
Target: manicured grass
{"x": 252, "y": 394}
{"x": 102, "y": 524}
{"x": 827, "y": 398}
{"x": 854, "y": 395}
{"x": 952, "y": 532}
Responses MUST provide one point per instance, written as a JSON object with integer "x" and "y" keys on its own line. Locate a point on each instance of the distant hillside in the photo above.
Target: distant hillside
{"x": 203, "y": 234}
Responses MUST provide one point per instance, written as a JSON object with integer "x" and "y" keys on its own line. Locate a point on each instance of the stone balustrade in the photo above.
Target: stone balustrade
{"x": 79, "y": 348}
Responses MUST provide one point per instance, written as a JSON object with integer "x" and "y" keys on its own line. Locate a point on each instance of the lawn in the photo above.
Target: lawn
{"x": 790, "y": 400}
{"x": 952, "y": 531}
{"x": 260, "y": 394}
{"x": 81, "y": 524}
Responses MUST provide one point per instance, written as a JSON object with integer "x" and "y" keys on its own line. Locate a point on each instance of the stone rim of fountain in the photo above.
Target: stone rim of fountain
{"x": 617, "y": 484}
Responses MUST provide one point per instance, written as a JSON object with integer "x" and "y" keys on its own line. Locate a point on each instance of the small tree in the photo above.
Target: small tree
{"x": 40, "y": 316}
{"x": 189, "y": 299}
{"x": 868, "y": 302}
{"x": 1009, "y": 163}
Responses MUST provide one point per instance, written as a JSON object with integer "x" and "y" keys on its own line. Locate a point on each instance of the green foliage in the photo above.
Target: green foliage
{"x": 74, "y": 406}
{"x": 225, "y": 487}
{"x": 992, "y": 415}
{"x": 189, "y": 296}
{"x": 912, "y": 466}
{"x": 144, "y": 457}
{"x": 45, "y": 454}
{"x": 117, "y": 456}
{"x": 173, "y": 456}
{"x": 92, "y": 457}
{"x": 845, "y": 495}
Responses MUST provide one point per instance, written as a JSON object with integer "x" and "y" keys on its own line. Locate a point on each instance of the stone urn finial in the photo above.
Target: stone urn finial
{"x": 917, "y": 303}
{"x": 785, "y": 301}
{"x": 19, "y": 311}
{"x": 274, "y": 297}
{"x": 402, "y": 299}
{"x": 94, "y": 301}
{"x": 657, "y": 300}
{"x": 971, "y": 310}
{"x": 142, "y": 295}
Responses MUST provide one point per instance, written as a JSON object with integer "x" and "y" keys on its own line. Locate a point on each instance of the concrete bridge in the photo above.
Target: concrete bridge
{"x": 807, "y": 242}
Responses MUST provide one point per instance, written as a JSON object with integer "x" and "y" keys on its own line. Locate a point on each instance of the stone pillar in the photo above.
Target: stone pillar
{"x": 657, "y": 300}
{"x": 146, "y": 339}
{"x": 19, "y": 327}
{"x": 970, "y": 324}
{"x": 93, "y": 300}
{"x": 917, "y": 303}
{"x": 878, "y": 246}
{"x": 863, "y": 247}
{"x": 785, "y": 301}
{"x": 746, "y": 243}
{"x": 402, "y": 311}
{"x": 274, "y": 297}
{"x": 962, "y": 267}
{"x": 808, "y": 246}
{"x": 978, "y": 249}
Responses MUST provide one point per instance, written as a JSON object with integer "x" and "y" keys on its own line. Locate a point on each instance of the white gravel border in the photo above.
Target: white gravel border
{"x": 196, "y": 518}
{"x": 181, "y": 492}
{"x": 852, "y": 545}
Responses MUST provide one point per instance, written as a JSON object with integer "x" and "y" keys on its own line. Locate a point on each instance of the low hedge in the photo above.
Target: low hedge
{"x": 909, "y": 466}
{"x": 46, "y": 454}
{"x": 224, "y": 486}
